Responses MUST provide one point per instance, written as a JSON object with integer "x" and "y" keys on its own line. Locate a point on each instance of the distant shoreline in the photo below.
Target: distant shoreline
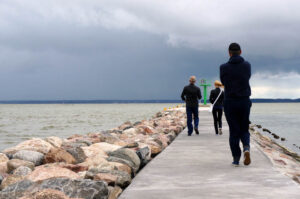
{"x": 129, "y": 101}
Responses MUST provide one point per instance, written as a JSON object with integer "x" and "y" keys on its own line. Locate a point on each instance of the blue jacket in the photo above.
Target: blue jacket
{"x": 235, "y": 76}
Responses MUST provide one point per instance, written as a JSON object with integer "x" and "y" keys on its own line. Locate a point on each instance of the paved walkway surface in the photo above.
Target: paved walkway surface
{"x": 200, "y": 167}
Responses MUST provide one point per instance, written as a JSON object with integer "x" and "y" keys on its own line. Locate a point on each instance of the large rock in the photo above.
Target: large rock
{"x": 109, "y": 138}
{"x": 114, "y": 192}
{"x": 171, "y": 136}
{"x": 46, "y": 194}
{"x": 15, "y": 163}
{"x": 121, "y": 167}
{"x": 54, "y": 141}
{"x": 88, "y": 139}
{"x": 50, "y": 171}
{"x": 162, "y": 140}
{"x": 68, "y": 145}
{"x": 3, "y": 158}
{"x": 144, "y": 154}
{"x": 107, "y": 177}
{"x": 1, "y": 178}
{"x": 32, "y": 156}
{"x": 74, "y": 188}
{"x": 93, "y": 150}
{"x": 106, "y": 147}
{"x": 155, "y": 147}
{"x": 131, "y": 132}
{"x": 96, "y": 161}
{"x": 16, "y": 190}
{"x": 11, "y": 179}
{"x": 112, "y": 160}
{"x": 34, "y": 144}
{"x": 77, "y": 152}
{"x": 3, "y": 167}
{"x": 22, "y": 171}
{"x": 59, "y": 155}
{"x": 112, "y": 177}
{"x": 72, "y": 167}
{"x": 128, "y": 155}
{"x": 125, "y": 126}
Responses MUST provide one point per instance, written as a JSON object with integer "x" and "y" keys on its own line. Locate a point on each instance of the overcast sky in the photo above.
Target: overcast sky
{"x": 143, "y": 49}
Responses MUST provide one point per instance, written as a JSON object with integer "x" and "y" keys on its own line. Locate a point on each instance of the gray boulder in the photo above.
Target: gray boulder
{"x": 17, "y": 190}
{"x": 121, "y": 178}
{"x": 1, "y": 178}
{"x": 143, "y": 154}
{"x": 77, "y": 153}
{"x": 74, "y": 148}
{"x": 79, "y": 188}
{"x": 128, "y": 155}
{"x": 120, "y": 160}
{"x": 32, "y": 156}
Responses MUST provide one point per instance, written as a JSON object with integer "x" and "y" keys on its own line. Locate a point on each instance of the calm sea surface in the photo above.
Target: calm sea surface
{"x": 282, "y": 119}
{"x": 21, "y": 121}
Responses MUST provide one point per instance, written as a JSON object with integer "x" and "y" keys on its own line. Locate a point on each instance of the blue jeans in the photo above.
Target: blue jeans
{"x": 237, "y": 112}
{"x": 190, "y": 112}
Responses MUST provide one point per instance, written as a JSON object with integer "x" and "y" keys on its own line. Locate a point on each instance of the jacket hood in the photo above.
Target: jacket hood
{"x": 236, "y": 59}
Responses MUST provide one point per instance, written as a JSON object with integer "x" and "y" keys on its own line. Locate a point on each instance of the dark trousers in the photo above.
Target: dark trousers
{"x": 190, "y": 112}
{"x": 217, "y": 114}
{"x": 237, "y": 112}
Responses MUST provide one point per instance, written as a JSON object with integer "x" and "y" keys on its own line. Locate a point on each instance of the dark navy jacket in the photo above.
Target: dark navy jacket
{"x": 235, "y": 76}
{"x": 191, "y": 94}
{"x": 214, "y": 95}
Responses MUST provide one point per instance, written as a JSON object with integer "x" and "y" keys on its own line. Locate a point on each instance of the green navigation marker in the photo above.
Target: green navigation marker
{"x": 205, "y": 85}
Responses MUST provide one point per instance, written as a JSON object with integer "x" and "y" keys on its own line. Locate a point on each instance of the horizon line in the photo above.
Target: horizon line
{"x": 99, "y": 101}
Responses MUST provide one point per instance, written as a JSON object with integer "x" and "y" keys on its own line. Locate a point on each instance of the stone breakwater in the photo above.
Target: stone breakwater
{"x": 283, "y": 159}
{"x": 92, "y": 166}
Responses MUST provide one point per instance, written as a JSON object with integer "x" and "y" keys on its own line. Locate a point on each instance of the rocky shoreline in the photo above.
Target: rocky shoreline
{"x": 283, "y": 159}
{"x": 93, "y": 166}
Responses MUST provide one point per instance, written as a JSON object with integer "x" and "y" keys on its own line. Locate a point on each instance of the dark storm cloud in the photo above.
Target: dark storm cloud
{"x": 139, "y": 49}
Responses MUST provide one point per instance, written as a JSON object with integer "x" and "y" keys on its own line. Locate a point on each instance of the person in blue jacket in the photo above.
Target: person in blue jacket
{"x": 235, "y": 76}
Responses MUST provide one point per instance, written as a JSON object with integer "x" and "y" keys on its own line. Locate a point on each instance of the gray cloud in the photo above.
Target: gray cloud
{"x": 136, "y": 49}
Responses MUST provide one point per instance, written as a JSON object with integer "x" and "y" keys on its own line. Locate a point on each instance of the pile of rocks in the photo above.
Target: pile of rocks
{"x": 95, "y": 165}
{"x": 284, "y": 160}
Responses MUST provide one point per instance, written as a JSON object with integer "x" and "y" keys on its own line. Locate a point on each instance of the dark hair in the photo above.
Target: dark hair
{"x": 234, "y": 49}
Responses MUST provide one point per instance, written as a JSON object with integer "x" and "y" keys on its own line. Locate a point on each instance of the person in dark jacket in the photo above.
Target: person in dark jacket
{"x": 217, "y": 97}
{"x": 191, "y": 94}
{"x": 235, "y": 76}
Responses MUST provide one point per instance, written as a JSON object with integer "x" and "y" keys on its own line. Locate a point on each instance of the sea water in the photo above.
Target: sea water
{"x": 282, "y": 119}
{"x": 19, "y": 122}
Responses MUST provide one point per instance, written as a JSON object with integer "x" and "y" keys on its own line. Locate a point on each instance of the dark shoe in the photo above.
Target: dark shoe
{"x": 197, "y": 132}
{"x": 247, "y": 159}
{"x": 189, "y": 134}
{"x": 235, "y": 164}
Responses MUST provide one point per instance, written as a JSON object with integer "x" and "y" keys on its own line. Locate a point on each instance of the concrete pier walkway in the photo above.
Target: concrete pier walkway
{"x": 200, "y": 167}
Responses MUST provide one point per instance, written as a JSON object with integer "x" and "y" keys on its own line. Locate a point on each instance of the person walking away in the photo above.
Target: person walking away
{"x": 235, "y": 76}
{"x": 191, "y": 94}
{"x": 216, "y": 98}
